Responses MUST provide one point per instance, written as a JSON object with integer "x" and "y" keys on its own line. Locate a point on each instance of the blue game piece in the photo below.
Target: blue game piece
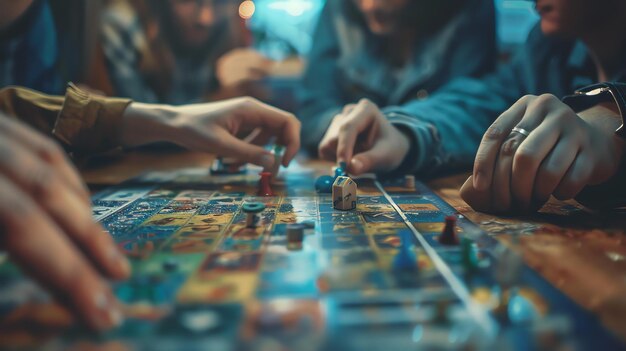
{"x": 405, "y": 259}
{"x": 324, "y": 184}
{"x": 341, "y": 170}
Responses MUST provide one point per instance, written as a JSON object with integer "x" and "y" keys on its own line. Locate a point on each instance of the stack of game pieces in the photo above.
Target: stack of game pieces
{"x": 409, "y": 181}
{"x": 265, "y": 187}
{"x": 344, "y": 194}
{"x": 295, "y": 235}
{"x": 252, "y": 210}
{"x": 448, "y": 235}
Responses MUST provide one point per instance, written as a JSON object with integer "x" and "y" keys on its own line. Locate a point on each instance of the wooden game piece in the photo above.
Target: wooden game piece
{"x": 344, "y": 194}
{"x": 265, "y": 188}
{"x": 405, "y": 259}
{"x": 324, "y": 184}
{"x": 295, "y": 233}
{"x": 252, "y": 210}
{"x": 448, "y": 235}
{"x": 469, "y": 255}
{"x": 409, "y": 181}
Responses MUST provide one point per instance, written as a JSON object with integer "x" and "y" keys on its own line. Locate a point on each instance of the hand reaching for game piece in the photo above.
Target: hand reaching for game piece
{"x": 561, "y": 154}
{"x": 47, "y": 227}
{"x": 362, "y": 137}
{"x": 216, "y": 127}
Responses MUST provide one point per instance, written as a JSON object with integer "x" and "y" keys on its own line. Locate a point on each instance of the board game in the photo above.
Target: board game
{"x": 202, "y": 280}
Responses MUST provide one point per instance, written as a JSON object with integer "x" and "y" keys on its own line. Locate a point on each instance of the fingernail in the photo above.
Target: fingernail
{"x": 116, "y": 317}
{"x": 119, "y": 260}
{"x": 357, "y": 165}
{"x": 111, "y": 315}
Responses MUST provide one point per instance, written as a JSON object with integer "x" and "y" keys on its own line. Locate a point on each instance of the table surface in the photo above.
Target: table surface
{"x": 581, "y": 252}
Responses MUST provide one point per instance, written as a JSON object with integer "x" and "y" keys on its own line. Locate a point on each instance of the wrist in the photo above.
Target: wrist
{"x": 147, "y": 123}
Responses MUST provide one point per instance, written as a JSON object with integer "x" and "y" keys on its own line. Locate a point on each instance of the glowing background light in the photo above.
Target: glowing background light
{"x": 246, "y": 9}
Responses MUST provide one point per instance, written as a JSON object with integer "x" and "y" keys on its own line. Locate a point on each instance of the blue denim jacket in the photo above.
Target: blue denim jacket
{"x": 343, "y": 65}
{"x": 448, "y": 126}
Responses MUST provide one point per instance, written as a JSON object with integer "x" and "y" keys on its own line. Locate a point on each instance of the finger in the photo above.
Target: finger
{"x": 576, "y": 178}
{"x": 284, "y": 124}
{"x": 531, "y": 153}
{"x": 67, "y": 209}
{"x": 357, "y": 121}
{"x": 36, "y": 244}
{"x": 501, "y": 183}
{"x": 327, "y": 149}
{"x": 48, "y": 151}
{"x": 375, "y": 159}
{"x": 478, "y": 200}
{"x": 229, "y": 146}
{"x": 553, "y": 169}
{"x": 492, "y": 140}
{"x": 347, "y": 108}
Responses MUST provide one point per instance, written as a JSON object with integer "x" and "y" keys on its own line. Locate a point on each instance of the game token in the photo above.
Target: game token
{"x": 344, "y": 194}
{"x": 405, "y": 259}
{"x": 324, "y": 184}
{"x": 170, "y": 265}
{"x": 309, "y": 226}
{"x": 252, "y": 209}
{"x": 341, "y": 170}
{"x": 265, "y": 188}
{"x": 295, "y": 233}
{"x": 448, "y": 235}
{"x": 469, "y": 256}
{"x": 409, "y": 181}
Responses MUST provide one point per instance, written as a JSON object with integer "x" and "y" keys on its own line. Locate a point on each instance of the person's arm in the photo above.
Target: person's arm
{"x": 88, "y": 124}
{"x": 83, "y": 123}
{"x": 320, "y": 98}
{"x": 447, "y": 127}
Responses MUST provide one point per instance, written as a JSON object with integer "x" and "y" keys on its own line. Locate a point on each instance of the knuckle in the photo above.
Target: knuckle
{"x": 494, "y": 132}
{"x": 43, "y": 183}
{"x": 524, "y": 157}
{"x": 545, "y": 99}
{"x": 526, "y": 99}
{"x": 52, "y": 153}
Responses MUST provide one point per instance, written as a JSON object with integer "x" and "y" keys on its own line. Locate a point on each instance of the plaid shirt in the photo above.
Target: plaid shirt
{"x": 125, "y": 46}
{"x": 29, "y": 53}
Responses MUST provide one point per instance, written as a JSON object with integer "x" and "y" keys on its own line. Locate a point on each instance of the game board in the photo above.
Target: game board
{"x": 201, "y": 282}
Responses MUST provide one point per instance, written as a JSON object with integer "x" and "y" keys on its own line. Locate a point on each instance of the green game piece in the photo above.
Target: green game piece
{"x": 253, "y": 207}
{"x": 469, "y": 254}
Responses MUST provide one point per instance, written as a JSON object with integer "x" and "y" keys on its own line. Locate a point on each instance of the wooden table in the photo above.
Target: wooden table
{"x": 581, "y": 252}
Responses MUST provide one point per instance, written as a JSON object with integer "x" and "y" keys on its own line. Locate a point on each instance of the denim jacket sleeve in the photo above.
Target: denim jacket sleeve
{"x": 446, "y": 128}
{"x": 320, "y": 98}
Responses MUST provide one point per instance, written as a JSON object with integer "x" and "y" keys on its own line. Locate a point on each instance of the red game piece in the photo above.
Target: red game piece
{"x": 265, "y": 188}
{"x": 448, "y": 235}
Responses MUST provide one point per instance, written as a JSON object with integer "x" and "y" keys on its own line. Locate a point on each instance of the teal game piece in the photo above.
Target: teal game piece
{"x": 405, "y": 259}
{"x": 252, "y": 210}
{"x": 324, "y": 184}
{"x": 341, "y": 170}
{"x": 469, "y": 254}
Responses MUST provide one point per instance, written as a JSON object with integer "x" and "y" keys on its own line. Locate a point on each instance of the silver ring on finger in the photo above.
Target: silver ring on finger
{"x": 521, "y": 131}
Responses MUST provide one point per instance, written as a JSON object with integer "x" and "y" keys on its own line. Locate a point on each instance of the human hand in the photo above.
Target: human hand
{"x": 362, "y": 137}
{"x": 216, "y": 127}
{"x": 48, "y": 230}
{"x": 563, "y": 153}
{"x": 242, "y": 65}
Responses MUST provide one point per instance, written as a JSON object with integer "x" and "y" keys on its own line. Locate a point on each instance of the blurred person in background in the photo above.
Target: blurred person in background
{"x": 389, "y": 52}
{"x": 179, "y": 51}
{"x": 28, "y": 46}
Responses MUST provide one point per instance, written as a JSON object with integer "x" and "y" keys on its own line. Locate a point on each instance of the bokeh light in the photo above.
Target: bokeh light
{"x": 246, "y": 9}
